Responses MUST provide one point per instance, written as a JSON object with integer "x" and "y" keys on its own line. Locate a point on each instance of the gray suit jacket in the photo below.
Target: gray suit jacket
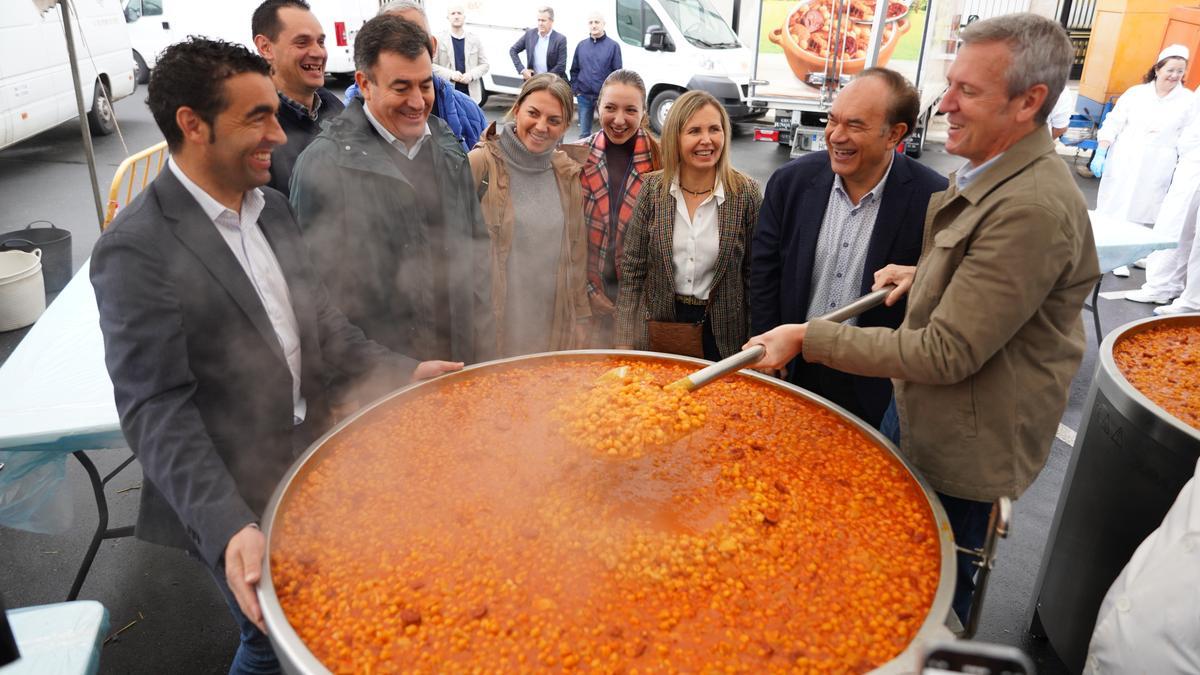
{"x": 201, "y": 384}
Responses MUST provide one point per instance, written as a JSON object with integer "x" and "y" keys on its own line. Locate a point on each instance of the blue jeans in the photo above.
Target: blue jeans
{"x": 968, "y": 521}
{"x": 254, "y": 655}
{"x": 587, "y": 108}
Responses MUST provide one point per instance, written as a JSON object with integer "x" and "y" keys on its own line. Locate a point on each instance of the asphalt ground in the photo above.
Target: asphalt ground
{"x": 167, "y": 611}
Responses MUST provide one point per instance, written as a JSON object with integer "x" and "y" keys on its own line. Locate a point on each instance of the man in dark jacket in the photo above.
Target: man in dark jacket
{"x": 385, "y": 198}
{"x": 830, "y": 220}
{"x": 595, "y": 58}
{"x": 291, "y": 39}
{"x": 219, "y": 337}
{"x": 458, "y": 110}
{"x": 545, "y": 48}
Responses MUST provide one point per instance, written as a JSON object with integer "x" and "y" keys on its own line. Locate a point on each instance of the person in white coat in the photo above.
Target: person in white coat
{"x": 1182, "y": 267}
{"x": 1136, "y": 154}
{"x": 1166, "y": 270}
{"x": 1149, "y": 622}
{"x": 460, "y": 56}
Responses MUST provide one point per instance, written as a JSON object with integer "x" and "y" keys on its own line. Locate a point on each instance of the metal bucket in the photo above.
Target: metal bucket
{"x": 295, "y": 657}
{"x": 1131, "y": 459}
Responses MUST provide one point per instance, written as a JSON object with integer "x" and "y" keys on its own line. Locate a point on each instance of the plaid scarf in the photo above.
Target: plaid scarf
{"x": 596, "y": 206}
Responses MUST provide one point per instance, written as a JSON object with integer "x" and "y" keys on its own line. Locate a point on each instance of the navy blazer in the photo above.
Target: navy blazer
{"x": 785, "y": 245}
{"x": 556, "y": 53}
{"x": 201, "y": 384}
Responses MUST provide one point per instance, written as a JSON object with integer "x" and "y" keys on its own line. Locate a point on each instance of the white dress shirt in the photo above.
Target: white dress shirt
{"x": 409, "y": 152}
{"x": 249, "y": 246}
{"x": 696, "y": 242}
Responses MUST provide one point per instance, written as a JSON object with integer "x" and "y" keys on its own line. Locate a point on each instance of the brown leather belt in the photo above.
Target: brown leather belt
{"x": 690, "y": 300}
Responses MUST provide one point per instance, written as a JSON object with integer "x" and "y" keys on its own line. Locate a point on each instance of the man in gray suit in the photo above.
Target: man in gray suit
{"x": 219, "y": 337}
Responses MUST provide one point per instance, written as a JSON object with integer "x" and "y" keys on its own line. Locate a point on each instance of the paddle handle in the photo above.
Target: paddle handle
{"x": 868, "y": 301}
{"x": 742, "y": 359}
{"x": 751, "y": 356}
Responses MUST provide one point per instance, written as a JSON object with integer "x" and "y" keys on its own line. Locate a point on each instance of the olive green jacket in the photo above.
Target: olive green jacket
{"x": 992, "y": 337}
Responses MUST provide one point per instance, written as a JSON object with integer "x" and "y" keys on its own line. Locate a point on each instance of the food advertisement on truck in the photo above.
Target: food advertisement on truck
{"x": 802, "y": 45}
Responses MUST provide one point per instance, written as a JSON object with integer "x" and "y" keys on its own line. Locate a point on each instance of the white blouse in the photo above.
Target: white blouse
{"x": 696, "y": 242}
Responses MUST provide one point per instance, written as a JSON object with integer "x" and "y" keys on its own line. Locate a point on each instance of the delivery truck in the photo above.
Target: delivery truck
{"x": 36, "y": 88}
{"x": 154, "y": 24}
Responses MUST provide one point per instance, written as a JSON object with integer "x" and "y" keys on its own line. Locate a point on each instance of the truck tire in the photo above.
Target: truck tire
{"x": 660, "y": 106}
{"x": 141, "y": 73}
{"x": 102, "y": 119}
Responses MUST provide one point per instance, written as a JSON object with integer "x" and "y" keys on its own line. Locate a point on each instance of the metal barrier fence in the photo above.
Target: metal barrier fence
{"x": 133, "y": 175}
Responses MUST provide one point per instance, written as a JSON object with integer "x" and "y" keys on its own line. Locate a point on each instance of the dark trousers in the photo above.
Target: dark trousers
{"x": 968, "y": 521}
{"x": 695, "y": 314}
{"x": 587, "y": 108}
{"x": 254, "y": 655}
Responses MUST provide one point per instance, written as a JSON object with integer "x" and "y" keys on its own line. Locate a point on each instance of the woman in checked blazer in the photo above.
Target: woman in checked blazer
{"x": 686, "y": 250}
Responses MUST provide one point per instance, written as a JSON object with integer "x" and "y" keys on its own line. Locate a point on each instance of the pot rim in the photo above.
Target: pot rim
{"x": 1125, "y": 388}
{"x": 295, "y": 656}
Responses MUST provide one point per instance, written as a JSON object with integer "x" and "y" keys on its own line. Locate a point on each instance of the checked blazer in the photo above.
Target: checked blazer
{"x": 647, "y": 290}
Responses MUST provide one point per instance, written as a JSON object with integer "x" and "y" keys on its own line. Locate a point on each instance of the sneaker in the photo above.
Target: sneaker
{"x": 1149, "y": 297}
{"x": 1122, "y": 271}
{"x": 1083, "y": 170}
{"x": 1174, "y": 308}
{"x": 1140, "y": 263}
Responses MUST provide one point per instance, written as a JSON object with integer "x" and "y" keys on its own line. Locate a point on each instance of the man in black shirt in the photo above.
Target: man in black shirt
{"x": 291, "y": 39}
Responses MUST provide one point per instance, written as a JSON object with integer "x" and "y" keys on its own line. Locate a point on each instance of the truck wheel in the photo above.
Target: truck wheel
{"x": 660, "y": 106}
{"x": 141, "y": 73}
{"x": 102, "y": 119}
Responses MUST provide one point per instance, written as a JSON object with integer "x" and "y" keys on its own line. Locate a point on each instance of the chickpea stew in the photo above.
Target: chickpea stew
{"x": 467, "y": 531}
{"x": 1164, "y": 364}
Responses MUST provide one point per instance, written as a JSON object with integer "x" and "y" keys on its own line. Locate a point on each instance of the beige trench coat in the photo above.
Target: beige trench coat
{"x": 570, "y": 298}
{"x": 993, "y": 336}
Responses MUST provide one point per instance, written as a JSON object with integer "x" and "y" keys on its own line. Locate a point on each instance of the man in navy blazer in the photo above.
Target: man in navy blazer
{"x": 545, "y": 48}
{"x": 830, "y": 220}
{"x": 220, "y": 340}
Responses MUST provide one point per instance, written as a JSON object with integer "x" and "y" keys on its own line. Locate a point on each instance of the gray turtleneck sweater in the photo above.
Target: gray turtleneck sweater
{"x": 536, "y": 248}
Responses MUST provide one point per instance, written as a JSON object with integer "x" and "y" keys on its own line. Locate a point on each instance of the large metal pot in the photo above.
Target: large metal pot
{"x": 295, "y": 656}
{"x": 1131, "y": 459}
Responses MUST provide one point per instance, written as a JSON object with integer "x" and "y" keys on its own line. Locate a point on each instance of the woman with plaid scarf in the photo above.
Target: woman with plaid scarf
{"x": 618, "y": 156}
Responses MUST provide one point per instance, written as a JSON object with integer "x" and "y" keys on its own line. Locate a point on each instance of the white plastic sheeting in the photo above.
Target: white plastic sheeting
{"x": 55, "y": 398}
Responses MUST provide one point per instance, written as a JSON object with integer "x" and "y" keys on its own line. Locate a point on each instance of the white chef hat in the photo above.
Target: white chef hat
{"x": 1175, "y": 51}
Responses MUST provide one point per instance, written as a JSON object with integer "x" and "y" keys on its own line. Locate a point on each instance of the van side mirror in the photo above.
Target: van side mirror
{"x": 657, "y": 39}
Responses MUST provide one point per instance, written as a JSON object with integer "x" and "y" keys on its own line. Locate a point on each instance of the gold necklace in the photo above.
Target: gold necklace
{"x": 701, "y": 193}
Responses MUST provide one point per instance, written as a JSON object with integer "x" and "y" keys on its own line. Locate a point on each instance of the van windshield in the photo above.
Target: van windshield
{"x": 700, "y": 23}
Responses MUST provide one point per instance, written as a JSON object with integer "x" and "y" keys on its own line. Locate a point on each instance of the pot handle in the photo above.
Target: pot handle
{"x": 999, "y": 524}
{"x": 52, "y": 225}
{"x": 776, "y": 36}
{"x": 9, "y": 243}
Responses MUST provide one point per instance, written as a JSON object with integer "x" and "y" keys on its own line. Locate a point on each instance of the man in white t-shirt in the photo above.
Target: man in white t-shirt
{"x": 1060, "y": 116}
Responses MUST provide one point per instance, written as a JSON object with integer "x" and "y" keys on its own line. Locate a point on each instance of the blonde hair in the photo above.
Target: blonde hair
{"x": 549, "y": 82}
{"x": 684, "y": 108}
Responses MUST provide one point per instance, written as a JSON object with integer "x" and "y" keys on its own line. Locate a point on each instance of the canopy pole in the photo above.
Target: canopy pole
{"x": 83, "y": 121}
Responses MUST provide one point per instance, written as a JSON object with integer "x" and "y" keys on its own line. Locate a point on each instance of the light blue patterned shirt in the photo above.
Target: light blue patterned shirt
{"x": 842, "y": 247}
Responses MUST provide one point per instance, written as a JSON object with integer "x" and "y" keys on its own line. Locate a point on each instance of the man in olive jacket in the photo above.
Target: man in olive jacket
{"x": 983, "y": 361}
{"x": 387, "y": 204}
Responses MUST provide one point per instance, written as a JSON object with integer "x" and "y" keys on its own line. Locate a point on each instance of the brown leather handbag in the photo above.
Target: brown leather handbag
{"x": 677, "y": 337}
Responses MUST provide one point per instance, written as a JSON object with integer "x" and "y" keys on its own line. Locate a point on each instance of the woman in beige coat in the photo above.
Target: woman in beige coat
{"x": 532, "y": 204}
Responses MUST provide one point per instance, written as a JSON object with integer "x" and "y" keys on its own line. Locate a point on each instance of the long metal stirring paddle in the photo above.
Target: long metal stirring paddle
{"x": 751, "y": 356}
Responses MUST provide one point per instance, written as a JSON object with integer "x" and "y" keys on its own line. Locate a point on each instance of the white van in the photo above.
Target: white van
{"x": 154, "y": 24}
{"x": 36, "y": 92}
{"x": 675, "y": 45}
